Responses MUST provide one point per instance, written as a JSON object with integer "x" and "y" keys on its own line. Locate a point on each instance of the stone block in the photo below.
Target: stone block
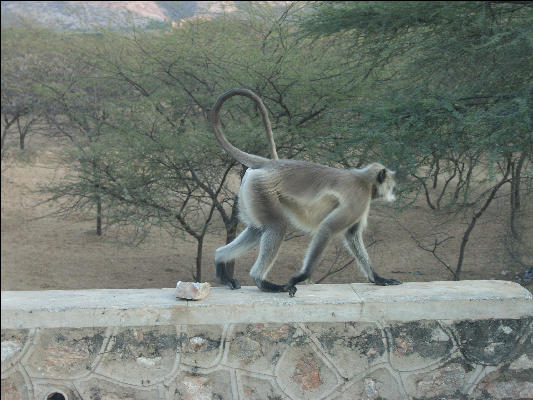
{"x": 502, "y": 384}
{"x": 14, "y": 387}
{"x": 101, "y": 389}
{"x": 303, "y": 374}
{"x": 64, "y": 353}
{"x": 416, "y": 345}
{"x": 197, "y": 386}
{"x": 492, "y": 341}
{"x": 380, "y": 384}
{"x": 448, "y": 380}
{"x": 90, "y": 308}
{"x": 353, "y": 347}
{"x": 258, "y": 347}
{"x": 141, "y": 356}
{"x": 202, "y": 345}
{"x": 313, "y": 303}
{"x": 192, "y": 290}
{"x": 13, "y": 342}
{"x": 524, "y": 362}
{"x": 259, "y": 388}
{"x": 317, "y": 303}
{"x": 446, "y": 300}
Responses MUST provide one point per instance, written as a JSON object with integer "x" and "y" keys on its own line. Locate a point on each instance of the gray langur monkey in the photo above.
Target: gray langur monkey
{"x": 322, "y": 201}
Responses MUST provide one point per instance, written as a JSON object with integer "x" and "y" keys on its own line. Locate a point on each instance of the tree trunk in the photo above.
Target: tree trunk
{"x": 98, "y": 215}
{"x": 476, "y": 216}
{"x": 515, "y": 193}
{"x": 22, "y": 133}
{"x": 436, "y": 173}
{"x": 21, "y": 140}
{"x": 4, "y": 133}
{"x": 199, "y": 250}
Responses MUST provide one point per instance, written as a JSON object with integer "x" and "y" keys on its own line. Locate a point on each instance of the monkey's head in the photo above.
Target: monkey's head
{"x": 384, "y": 184}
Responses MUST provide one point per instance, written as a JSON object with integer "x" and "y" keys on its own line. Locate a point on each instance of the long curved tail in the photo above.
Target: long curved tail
{"x": 250, "y": 160}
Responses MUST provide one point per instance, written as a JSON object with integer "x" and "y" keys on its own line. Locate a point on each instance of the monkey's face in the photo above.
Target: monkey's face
{"x": 385, "y": 185}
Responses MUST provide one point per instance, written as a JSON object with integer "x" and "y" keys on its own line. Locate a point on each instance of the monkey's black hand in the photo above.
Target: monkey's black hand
{"x": 233, "y": 284}
{"x": 291, "y": 290}
{"x": 378, "y": 280}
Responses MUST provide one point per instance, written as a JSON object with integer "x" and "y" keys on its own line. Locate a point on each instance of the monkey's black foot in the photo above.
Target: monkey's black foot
{"x": 267, "y": 286}
{"x": 233, "y": 284}
{"x": 230, "y": 282}
{"x": 291, "y": 290}
{"x": 378, "y": 280}
{"x": 225, "y": 278}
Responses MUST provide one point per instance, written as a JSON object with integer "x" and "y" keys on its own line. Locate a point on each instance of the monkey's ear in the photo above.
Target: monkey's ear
{"x": 381, "y": 176}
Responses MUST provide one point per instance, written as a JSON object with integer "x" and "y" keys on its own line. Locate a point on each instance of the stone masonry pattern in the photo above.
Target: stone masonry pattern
{"x": 482, "y": 359}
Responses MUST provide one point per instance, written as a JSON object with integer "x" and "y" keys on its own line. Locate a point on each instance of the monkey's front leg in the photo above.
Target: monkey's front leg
{"x": 225, "y": 278}
{"x": 353, "y": 240}
{"x": 242, "y": 243}
{"x": 378, "y": 280}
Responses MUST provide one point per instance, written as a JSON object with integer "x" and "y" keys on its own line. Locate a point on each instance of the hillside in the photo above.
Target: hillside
{"x": 87, "y": 15}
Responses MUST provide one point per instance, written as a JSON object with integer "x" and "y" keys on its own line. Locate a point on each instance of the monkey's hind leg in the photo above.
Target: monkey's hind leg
{"x": 270, "y": 244}
{"x": 245, "y": 241}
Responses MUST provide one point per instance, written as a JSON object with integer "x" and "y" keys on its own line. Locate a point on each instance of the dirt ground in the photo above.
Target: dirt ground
{"x": 42, "y": 252}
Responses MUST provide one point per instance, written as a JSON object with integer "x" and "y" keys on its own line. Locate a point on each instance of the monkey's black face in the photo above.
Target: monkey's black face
{"x": 385, "y": 187}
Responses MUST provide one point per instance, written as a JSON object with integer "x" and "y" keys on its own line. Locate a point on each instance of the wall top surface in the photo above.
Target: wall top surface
{"x": 413, "y": 301}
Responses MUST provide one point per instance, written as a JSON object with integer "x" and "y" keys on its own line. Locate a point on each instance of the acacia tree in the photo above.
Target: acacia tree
{"x": 80, "y": 105}
{"x": 25, "y": 61}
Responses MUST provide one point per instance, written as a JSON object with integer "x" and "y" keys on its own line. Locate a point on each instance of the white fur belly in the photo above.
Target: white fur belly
{"x": 308, "y": 216}
{"x": 304, "y": 213}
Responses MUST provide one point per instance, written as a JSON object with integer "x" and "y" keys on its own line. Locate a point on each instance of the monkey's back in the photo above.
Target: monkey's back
{"x": 302, "y": 192}
{"x": 306, "y": 180}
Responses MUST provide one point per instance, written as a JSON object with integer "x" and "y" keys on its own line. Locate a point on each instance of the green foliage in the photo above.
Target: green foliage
{"x": 440, "y": 78}
{"x": 26, "y": 59}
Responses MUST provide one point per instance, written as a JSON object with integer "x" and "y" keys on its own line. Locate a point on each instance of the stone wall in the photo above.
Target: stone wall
{"x": 437, "y": 340}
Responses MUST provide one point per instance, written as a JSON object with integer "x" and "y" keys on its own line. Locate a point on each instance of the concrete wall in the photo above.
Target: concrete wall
{"x": 437, "y": 340}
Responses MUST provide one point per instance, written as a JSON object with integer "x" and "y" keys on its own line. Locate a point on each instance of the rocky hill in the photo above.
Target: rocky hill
{"x": 87, "y": 15}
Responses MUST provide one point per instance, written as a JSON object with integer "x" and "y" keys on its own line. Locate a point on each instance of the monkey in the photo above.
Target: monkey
{"x": 322, "y": 201}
